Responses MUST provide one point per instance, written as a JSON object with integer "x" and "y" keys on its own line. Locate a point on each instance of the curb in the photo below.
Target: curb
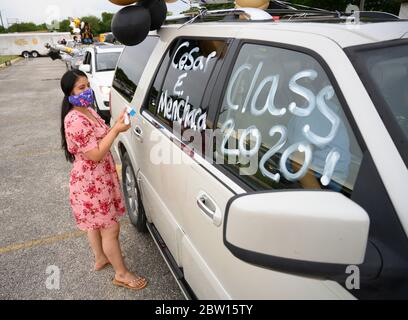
{"x": 10, "y": 62}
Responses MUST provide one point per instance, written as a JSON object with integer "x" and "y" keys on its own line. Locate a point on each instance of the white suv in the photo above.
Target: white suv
{"x": 269, "y": 159}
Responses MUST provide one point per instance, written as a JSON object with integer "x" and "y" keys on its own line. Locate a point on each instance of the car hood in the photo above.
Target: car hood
{"x": 104, "y": 78}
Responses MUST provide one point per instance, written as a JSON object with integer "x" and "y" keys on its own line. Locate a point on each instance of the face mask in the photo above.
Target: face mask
{"x": 84, "y": 99}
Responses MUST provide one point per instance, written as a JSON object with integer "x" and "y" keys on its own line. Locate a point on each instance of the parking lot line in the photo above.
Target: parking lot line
{"x": 54, "y": 238}
{"x": 48, "y": 240}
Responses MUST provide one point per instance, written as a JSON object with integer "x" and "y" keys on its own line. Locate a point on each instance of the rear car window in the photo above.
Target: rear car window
{"x": 106, "y": 61}
{"x": 131, "y": 66}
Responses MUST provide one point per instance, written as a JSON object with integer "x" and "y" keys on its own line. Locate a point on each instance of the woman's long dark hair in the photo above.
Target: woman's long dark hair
{"x": 68, "y": 81}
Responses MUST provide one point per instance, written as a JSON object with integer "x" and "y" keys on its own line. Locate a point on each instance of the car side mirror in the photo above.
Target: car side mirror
{"x": 85, "y": 68}
{"x": 309, "y": 233}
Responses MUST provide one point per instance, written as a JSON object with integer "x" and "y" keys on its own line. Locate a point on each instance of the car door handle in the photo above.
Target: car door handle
{"x": 209, "y": 207}
{"x": 137, "y": 131}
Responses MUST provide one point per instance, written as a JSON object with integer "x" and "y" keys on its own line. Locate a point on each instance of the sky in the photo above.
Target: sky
{"x": 40, "y": 11}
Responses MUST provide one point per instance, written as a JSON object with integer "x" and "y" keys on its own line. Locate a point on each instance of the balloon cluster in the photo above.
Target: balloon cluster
{"x": 131, "y": 24}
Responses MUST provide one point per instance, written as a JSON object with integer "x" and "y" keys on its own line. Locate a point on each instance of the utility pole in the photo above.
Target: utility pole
{"x": 362, "y": 3}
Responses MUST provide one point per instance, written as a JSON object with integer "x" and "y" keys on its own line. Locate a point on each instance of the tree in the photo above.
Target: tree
{"x": 219, "y": 6}
{"x": 64, "y": 26}
{"x": 26, "y": 27}
{"x": 97, "y": 25}
{"x": 211, "y": 6}
{"x": 105, "y": 24}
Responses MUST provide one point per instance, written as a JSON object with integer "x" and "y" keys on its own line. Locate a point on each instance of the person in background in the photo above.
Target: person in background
{"x": 86, "y": 34}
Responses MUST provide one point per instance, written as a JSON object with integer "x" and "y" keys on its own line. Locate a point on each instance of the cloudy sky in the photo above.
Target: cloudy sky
{"x": 40, "y": 11}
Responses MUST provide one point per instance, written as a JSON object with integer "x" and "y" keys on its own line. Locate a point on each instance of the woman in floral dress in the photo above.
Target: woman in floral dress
{"x": 95, "y": 194}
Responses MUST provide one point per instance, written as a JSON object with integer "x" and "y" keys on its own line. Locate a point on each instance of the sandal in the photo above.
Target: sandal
{"x": 141, "y": 283}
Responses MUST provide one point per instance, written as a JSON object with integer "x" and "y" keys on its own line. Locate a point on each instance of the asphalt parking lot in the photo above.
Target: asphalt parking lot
{"x": 37, "y": 229}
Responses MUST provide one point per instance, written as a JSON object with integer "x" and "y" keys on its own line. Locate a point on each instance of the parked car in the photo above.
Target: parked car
{"x": 76, "y": 60}
{"x": 29, "y": 44}
{"x": 107, "y": 38}
{"x": 99, "y": 63}
{"x": 268, "y": 159}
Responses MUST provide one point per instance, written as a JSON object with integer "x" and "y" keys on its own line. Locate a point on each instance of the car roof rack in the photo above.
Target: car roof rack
{"x": 251, "y": 14}
{"x": 378, "y": 15}
{"x": 312, "y": 12}
{"x": 289, "y": 5}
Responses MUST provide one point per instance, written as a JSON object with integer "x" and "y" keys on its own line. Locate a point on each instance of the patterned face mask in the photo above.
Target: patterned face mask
{"x": 84, "y": 99}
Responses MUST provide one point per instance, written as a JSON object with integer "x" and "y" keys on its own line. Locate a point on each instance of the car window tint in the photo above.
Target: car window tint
{"x": 107, "y": 61}
{"x": 385, "y": 70}
{"x": 87, "y": 59}
{"x": 131, "y": 66}
{"x": 189, "y": 64}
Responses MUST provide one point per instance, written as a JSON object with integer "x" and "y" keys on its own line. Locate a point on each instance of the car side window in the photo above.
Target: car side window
{"x": 281, "y": 125}
{"x": 131, "y": 66}
{"x": 180, "y": 83}
{"x": 87, "y": 58}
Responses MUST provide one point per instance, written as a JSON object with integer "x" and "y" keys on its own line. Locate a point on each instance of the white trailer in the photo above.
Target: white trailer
{"x": 30, "y": 44}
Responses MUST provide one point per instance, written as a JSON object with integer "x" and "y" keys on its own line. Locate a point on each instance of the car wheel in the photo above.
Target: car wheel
{"x": 26, "y": 54}
{"x": 131, "y": 191}
{"x": 34, "y": 54}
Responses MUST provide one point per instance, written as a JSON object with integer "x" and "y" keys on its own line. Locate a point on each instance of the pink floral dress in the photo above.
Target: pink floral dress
{"x": 95, "y": 194}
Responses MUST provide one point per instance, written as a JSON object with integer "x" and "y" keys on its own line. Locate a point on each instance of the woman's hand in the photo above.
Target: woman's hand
{"x": 120, "y": 125}
{"x": 98, "y": 153}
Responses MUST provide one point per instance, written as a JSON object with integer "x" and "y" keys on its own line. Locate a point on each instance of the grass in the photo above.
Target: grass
{"x": 6, "y": 58}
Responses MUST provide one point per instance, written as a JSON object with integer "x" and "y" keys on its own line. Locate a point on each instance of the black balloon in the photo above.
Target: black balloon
{"x": 131, "y": 24}
{"x": 158, "y": 13}
{"x": 146, "y": 3}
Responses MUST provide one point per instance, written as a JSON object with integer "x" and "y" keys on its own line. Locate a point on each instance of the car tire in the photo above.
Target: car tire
{"x": 133, "y": 202}
{"x": 34, "y": 54}
{"x": 25, "y": 54}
